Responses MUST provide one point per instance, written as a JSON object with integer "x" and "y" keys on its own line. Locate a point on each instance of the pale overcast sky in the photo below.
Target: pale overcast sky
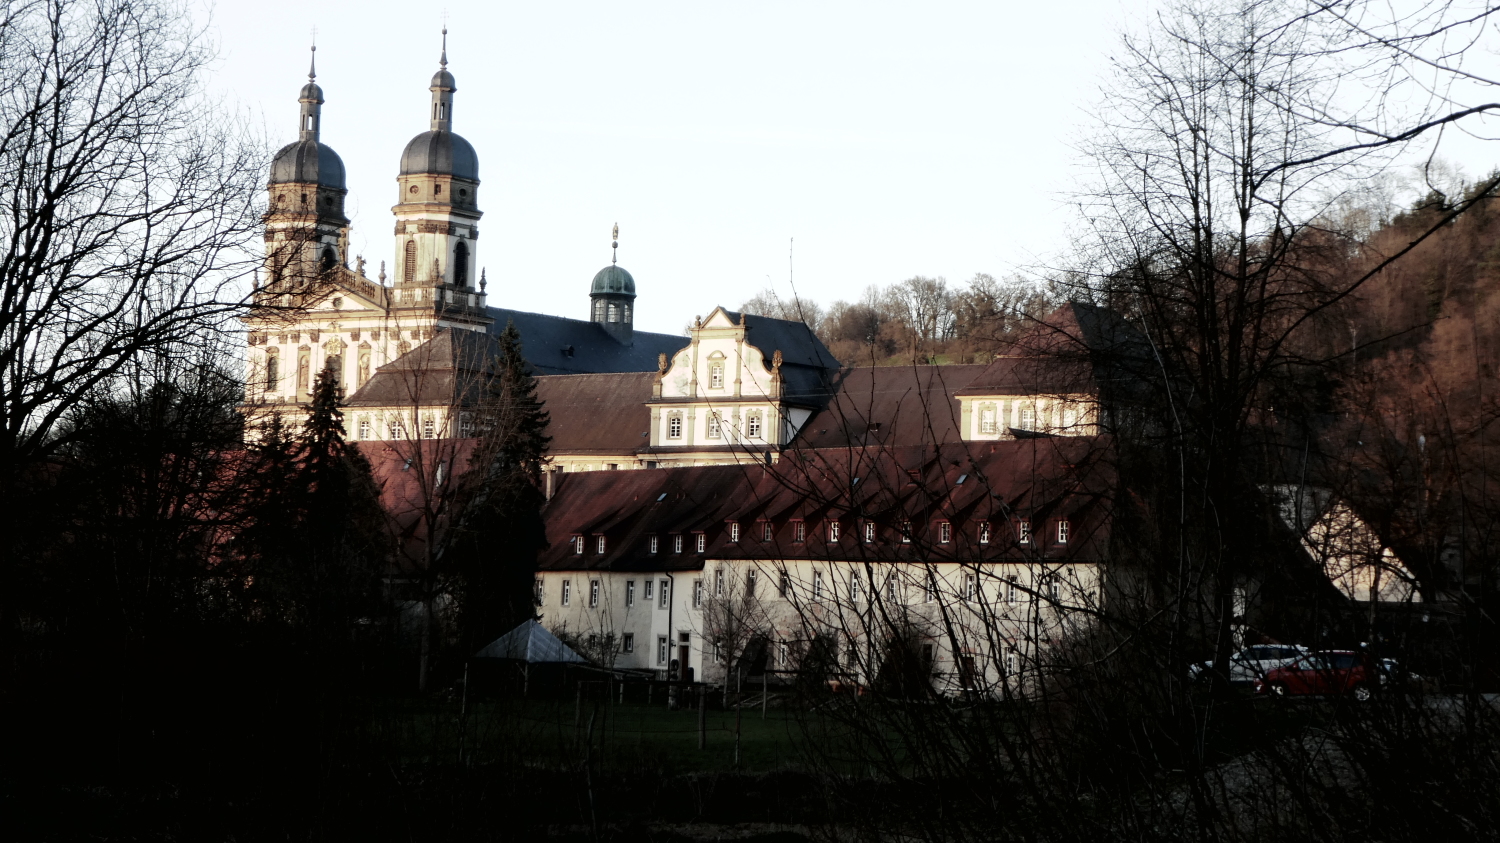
{"x": 888, "y": 139}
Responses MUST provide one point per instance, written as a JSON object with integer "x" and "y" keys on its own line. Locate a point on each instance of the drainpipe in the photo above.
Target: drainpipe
{"x": 671, "y": 630}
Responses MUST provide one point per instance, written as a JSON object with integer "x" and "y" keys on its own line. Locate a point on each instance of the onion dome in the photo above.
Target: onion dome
{"x": 307, "y": 160}
{"x": 439, "y": 151}
{"x": 613, "y": 280}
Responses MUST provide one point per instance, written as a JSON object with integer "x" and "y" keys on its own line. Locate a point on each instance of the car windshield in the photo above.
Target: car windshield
{"x": 1342, "y": 661}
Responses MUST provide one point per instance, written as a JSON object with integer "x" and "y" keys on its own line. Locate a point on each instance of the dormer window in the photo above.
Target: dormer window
{"x": 945, "y": 532}
{"x": 1023, "y": 531}
{"x": 677, "y": 543}
{"x": 1062, "y": 531}
{"x": 734, "y": 533}
{"x": 987, "y": 419}
{"x": 984, "y": 532}
{"x": 702, "y": 542}
{"x": 799, "y": 531}
{"x": 599, "y": 545}
{"x": 578, "y": 545}
{"x": 674, "y": 426}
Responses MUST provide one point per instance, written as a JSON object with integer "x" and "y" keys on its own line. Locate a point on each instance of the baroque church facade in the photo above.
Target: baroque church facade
{"x": 829, "y": 498}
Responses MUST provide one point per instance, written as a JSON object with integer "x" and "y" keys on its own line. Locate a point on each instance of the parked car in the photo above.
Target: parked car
{"x": 1333, "y": 673}
{"x": 1252, "y": 663}
{"x": 1394, "y": 676}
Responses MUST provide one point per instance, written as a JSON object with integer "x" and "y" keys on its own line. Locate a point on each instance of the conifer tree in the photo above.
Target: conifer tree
{"x": 500, "y": 528}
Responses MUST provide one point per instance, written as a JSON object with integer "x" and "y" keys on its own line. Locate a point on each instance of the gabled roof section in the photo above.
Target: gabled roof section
{"x": 798, "y": 345}
{"x": 1078, "y": 348}
{"x": 447, "y": 369}
{"x": 604, "y": 413}
{"x": 555, "y": 345}
{"x": 890, "y": 406}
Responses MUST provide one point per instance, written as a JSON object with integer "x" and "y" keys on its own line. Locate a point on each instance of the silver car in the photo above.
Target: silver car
{"x": 1250, "y": 664}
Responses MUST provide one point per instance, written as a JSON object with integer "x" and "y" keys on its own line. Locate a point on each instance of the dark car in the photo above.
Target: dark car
{"x": 1328, "y": 673}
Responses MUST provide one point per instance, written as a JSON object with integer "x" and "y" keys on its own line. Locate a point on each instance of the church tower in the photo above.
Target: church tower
{"x": 306, "y": 233}
{"x": 437, "y": 214}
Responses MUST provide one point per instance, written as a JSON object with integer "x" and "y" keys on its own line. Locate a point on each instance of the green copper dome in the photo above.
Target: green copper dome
{"x": 613, "y": 280}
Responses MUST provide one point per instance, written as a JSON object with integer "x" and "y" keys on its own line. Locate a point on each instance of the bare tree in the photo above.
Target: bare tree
{"x": 127, "y": 206}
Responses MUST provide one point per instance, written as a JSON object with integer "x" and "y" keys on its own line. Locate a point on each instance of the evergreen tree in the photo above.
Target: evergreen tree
{"x": 500, "y": 530}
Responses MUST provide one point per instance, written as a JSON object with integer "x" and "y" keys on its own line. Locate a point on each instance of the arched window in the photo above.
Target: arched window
{"x": 461, "y": 264}
{"x": 329, "y": 259}
{"x": 273, "y": 370}
{"x": 614, "y": 312}
{"x": 304, "y": 360}
{"x": 335, "y": 365}
{"x": 409, "y": 269}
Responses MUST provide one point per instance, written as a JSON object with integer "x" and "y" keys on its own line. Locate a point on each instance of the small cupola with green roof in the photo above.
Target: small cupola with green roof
{"x": 612, "y": 297}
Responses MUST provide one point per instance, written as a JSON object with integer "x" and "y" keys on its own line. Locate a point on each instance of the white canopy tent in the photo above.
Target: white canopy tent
{"x": 533, "y": 644}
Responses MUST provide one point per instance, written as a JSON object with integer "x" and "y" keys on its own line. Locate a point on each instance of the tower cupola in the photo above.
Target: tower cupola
{"x": 612, "y": 297}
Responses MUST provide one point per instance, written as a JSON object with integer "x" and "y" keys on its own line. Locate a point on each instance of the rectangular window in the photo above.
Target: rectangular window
{"x": 654, "y": 543}
{"x": 750, "y": 577}
{"x": 429, "y": 430}
{"x": 799, "y": 531}
{"x": 869, "y": 532}
{"x": 627, "y": 643}
{"x": 987, "y": 420}
{"x": 752, "y": 426}
{"x": 364, "y": 429}
{"x": 932, "y": 588}
{"x": 599, "y": 544}
{"x": 1012, "y": 663}
{"x": 578, "y": 545}
{"x": 702, "y": 542}
{"x": 833, "y": 531}
{"x": 662, "y": 595}
{"x": 716, "y": 376}
{"x": 1053, "y": 588}
{"x": 661, "y": 649}
{"x": 540, "y": 592}
{"x": 734, "y": 533}
{"x": 1028, "y": 416}
{"x": 646, "y": 593}
{"x": 677, "y": 543}
{"x": 1012, "y": 590}
{"x": 971, "y": 586}
{"x": 567, "y": 592}
{"x": 817, "y": 587}
{"x": 713, "y": 426}
{"x": 1023, "y": 532}
{"x": 765, "y": 531}
{"x": 718, "y": 651}
{"x": 784, "y": 588}
{"x": 906, "y": 532}
{"x": 854, "y": 588}
{"x": 697, "y": 594}
{"x": 674, "y": 426}
{"x": 629, "y": 593}
{"x": 945, "y": 532}
{"x": 593, "y": 594}
{"x": 719, "y": 582}
{"x": 892, "y": 589}
{"x": 984, "y": 532}
{"x": 1062, "y": 531}
{"x": 783, "y": 654}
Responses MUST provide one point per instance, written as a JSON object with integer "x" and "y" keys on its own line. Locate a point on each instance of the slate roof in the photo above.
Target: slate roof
{"x": 806, "y": 364}
{"x": 556, "y": 345}
{"x": 1077, "y": 348}
{"x": 598, "y": 413}
{"x": 891, "y": 406}
{"x": 433, "y": 373}
{"x": 1040, "y": 479}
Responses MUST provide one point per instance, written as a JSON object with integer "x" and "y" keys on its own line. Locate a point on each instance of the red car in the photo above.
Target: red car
{"x": 1332, "y": 672}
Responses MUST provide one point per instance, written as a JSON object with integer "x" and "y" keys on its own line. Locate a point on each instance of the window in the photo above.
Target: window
{"x": 1062, "y": 531}
{"x": 716, "y": 375}
{"x": 817, "y": 587}
{"x": 697, "y": 594}
{"x": 783, "y": 654}
{"x": 906, "y": 532}
{"x": 629, "y": 593}
{"x": 713, "y": 426}
{"x": 1028, "y": 416}
{"x": 784, "y": 588}
{"x": 930, "y": 593}
{"x": 654, "y": 542}
{"x": 661, "y": 649}
{"x": 646, "y": 593}
{"x": 799, "y": 531}
{"x": 460, "y": 265}
{"x": 273, "y": 370}
{"x": 718, "y": 652}
{"x": 398, "y": 430}
{"x": 734, "y": 533}
{"x": 892, "y": 589}
{"x": 971, "y": 586}
{"x": 409, "y": 269}
{"x": 578, "y": 545}
{"x": 1054, "y": 588}
{"x": 663, "y": 594}
{"x": 567, "y": 592}
{"x": 538, "y": 590}
{"x": 677, "y": 543}
{"x": 364, "y": 428}
{"x": 987, "y": 419}
{"x": 1023, "y": 532}
{"x": 765, "y": 531}
{"x": 984, "y": 532}
{"x": 854, "y": 588}
{"x": 750, "y": 577}
{"x": 599, "y": 544}
{"x": 719, "y": 582}
{"x": 593, "y": 594}
{"x": 869, "y": 532}
{"x": 674, "y": 426}
{"x": 945, "y": 532}
{"x": 702, "y": 542}
{"x": 833, "y": 531}
{"x": 752, "y": 425}
{"x": 1011, "y": 590}
{"x": 1012, "y": 663}
{"x": 627, "y": 643}
{"x": 429, "y": 429}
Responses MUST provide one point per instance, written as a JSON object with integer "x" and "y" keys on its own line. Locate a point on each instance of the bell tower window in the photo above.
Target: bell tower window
{"x": 329, "y": 259}
{"x": 461, "y": 265}
{"x": 409, "y": 266}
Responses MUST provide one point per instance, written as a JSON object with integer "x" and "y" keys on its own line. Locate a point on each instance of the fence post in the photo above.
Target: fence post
{"x": 702, "y": 716}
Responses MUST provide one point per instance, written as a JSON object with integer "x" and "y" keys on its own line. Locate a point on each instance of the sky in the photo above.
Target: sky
{"x": 826, "y": 146}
